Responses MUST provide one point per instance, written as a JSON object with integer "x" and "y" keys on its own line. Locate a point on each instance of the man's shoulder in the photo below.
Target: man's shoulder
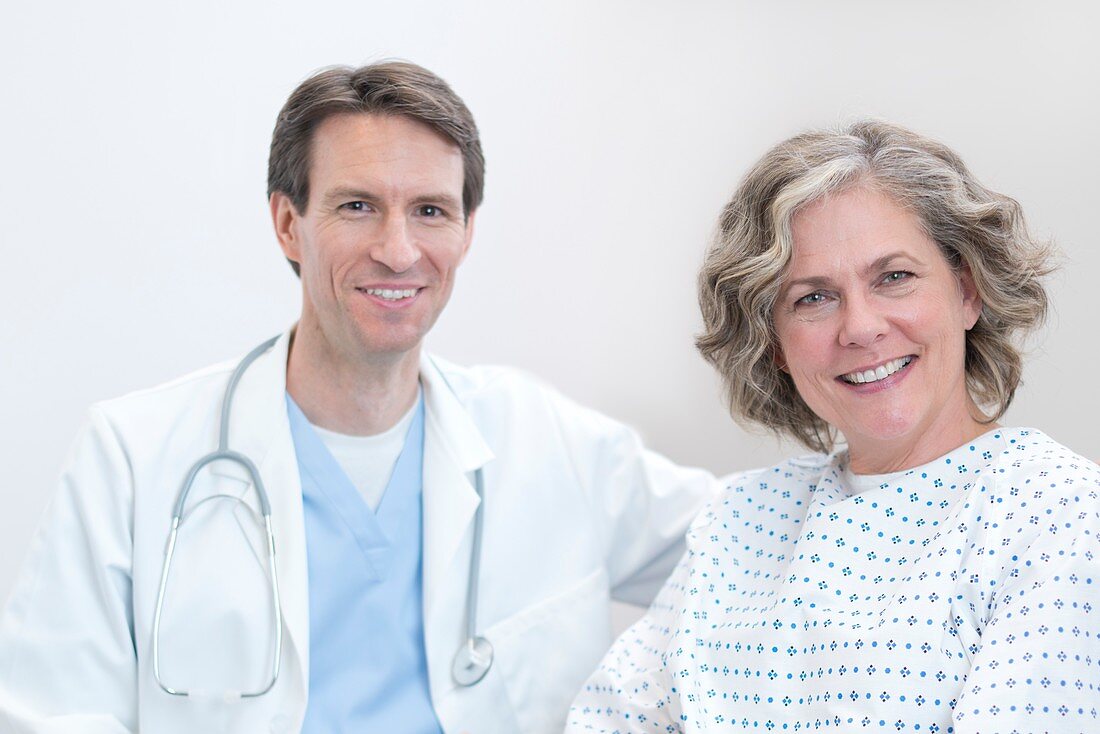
{"x": 156, "y": 414}
{"x": 516, "y": 400}
{"x": 491, "y": 381}
{"x": 184, "y": 389}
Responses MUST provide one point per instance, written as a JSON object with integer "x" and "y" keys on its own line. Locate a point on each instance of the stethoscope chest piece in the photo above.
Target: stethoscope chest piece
{"x": 472, "y": 661}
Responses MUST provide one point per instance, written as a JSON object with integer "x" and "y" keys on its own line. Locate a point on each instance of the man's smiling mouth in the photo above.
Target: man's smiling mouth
{"x": 390, "y": 294}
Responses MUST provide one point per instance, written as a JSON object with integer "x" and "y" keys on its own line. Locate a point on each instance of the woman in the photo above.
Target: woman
{"x": 933, "y": 572}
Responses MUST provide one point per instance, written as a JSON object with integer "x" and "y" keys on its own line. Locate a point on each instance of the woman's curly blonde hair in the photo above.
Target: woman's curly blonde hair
{"x": 746, "y": 263}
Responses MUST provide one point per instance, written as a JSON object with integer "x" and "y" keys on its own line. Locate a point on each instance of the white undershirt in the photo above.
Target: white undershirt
{"x": 368, "y": 461}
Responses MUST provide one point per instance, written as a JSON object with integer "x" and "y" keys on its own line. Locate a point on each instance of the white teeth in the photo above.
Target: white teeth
{"x": 879, "y": 373}
{"x": 390, "y": 294}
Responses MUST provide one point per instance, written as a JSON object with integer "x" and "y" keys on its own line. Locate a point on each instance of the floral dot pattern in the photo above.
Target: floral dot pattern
{"x": 960, "y": 596}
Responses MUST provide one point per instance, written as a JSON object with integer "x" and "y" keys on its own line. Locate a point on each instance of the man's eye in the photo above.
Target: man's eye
{"x": 355, "y": 206}
{"x": 430, "y": 210}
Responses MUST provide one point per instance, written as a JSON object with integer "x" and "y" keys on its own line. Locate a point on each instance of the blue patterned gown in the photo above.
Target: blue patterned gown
{"x": 959, "y": 596}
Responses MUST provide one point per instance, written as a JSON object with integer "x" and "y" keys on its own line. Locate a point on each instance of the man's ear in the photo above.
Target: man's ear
{"x": 284, "y": 217}
{"x": 468, "y": 236}
{"x": 971, "y": 301}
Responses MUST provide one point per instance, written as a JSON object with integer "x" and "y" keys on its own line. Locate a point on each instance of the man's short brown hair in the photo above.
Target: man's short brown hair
{"x": 384, "y": 88}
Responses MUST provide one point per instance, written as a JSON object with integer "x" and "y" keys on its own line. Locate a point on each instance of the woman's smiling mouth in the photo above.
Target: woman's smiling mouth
{"x": 878, "y": 373}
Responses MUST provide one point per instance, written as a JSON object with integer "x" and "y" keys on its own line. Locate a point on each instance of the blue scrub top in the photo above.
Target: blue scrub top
{"x": 368, "y": 670}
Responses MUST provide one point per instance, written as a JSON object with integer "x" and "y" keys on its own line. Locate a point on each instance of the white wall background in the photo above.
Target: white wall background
{"x": 135, "y": 244}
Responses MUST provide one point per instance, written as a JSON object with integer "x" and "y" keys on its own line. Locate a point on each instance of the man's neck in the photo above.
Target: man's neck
{"x": 354, "y": 397}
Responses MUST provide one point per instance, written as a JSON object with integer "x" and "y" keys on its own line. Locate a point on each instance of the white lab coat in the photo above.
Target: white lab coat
{"x": 576, "y": 511}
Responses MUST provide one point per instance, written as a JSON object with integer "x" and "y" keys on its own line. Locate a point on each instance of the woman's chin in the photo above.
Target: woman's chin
{"x": 886, "y": 439}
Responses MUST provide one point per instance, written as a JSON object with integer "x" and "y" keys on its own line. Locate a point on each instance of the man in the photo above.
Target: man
{"x": 445, "y": 540}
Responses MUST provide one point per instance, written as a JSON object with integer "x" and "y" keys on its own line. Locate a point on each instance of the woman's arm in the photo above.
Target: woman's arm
{"x": 632, "y": 690}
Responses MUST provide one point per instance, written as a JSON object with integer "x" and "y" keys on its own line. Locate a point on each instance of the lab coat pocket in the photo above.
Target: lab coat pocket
{"x": 547, "y": 650}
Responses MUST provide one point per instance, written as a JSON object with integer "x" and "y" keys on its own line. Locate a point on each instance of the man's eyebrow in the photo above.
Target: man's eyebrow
{"x": 350, "y": 194}
{"x": 445, "y": 200}
{"x": 354, "y": 194}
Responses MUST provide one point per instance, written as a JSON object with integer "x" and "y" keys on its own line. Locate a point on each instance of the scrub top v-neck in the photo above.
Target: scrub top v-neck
{"x": 368, "y": 668}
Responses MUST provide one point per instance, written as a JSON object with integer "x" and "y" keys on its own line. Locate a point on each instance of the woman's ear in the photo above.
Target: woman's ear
{"x": 779, "y": 360}
{"x": 971, "y": 301}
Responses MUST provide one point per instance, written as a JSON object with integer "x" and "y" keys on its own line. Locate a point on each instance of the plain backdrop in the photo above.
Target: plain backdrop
{"x": 136, "y": 244}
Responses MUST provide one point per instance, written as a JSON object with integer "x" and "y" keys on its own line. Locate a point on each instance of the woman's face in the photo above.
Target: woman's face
{"x": 871, "y": 322}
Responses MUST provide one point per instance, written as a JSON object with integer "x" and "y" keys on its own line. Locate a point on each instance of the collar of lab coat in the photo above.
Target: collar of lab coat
{"x": 453, "y": 450}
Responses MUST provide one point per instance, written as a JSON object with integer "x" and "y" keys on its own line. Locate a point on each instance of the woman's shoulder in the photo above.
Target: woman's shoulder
{"x": 1029, "y": 455}
{"x": 777, "y": 491}
{"x": 1041, "y": 488}
{"x": 795, "y": 470}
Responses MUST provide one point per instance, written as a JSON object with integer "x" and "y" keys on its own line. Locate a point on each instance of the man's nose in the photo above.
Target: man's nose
{"x": 862, "y": 322}
{"x": 396, "y": 246}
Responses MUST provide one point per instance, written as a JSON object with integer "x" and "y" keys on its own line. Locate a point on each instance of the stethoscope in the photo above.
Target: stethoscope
{"x": 472, "y": 660}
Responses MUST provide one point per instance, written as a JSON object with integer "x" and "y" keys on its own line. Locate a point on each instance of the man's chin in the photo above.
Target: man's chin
{"x": 389, "y": 346}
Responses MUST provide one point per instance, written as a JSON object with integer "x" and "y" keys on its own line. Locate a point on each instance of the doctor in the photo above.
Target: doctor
{"x": 446, "y": 540}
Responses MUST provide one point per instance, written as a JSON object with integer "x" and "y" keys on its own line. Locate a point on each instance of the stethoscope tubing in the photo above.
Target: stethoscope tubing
{"x": 223, "y": 453}
{"x": 472, "y": 661}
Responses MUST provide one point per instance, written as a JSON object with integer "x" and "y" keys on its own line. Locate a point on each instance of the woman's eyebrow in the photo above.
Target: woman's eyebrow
{"x": 813, "y": 281}
{"x": 887, "y": 260}
{"x": 879, "y": 264}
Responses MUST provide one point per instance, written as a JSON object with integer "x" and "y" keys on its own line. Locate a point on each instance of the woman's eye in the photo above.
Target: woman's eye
{"x": 811, "y": 299}
{"x": 897, "y": 276}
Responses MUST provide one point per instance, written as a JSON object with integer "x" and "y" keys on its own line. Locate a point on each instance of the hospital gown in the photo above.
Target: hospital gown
{"x": 960, "y": 596}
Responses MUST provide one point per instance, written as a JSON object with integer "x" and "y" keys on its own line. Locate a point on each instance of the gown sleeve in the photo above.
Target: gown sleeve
{"x": 632, "y": 691}
{"x": 1036, "y": 666}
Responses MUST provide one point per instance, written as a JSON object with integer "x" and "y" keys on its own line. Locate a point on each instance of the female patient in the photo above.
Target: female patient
{"x": 931, "y": 571}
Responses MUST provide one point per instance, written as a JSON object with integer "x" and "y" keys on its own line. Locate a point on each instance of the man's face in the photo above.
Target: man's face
{"x": 381, "y": 236}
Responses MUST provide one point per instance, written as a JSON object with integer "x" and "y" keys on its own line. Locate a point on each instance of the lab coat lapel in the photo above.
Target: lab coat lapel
{"x": 453, "y": 450}
{"x": 260, "y": 429}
